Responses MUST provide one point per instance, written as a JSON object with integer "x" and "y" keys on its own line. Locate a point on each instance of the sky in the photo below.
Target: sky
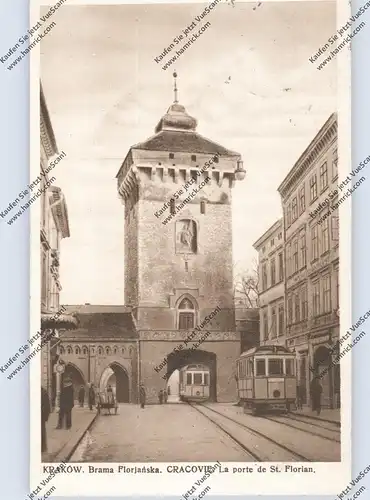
{"x": 247, "y": 80}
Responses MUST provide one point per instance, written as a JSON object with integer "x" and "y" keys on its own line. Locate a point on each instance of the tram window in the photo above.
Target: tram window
{"x": 250, "y": 367}
{"x": 188, "y": 378}
{"x": 260, "y": 367}
{"x": 289, "y": 367}
{"x": 206, "y": 379}
{"x": 197, "y": 379}
{"x": 276, "y": 367}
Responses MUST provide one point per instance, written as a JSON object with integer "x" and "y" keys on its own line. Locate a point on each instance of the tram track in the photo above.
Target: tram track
{"x": 283, "y": 421}
{"x": 295, "y": 456}
{"x": 324, "y": 424}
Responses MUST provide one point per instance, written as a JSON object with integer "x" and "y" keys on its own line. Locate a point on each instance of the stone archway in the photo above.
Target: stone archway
{"x": 76, "y": 375}
{"x": 117, "y": 377}
{"x": 177, "y": 360}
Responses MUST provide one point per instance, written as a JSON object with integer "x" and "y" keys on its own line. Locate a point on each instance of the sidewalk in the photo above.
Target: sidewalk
{"x": 62, "y": 442}
{"x": 326, "y": 415}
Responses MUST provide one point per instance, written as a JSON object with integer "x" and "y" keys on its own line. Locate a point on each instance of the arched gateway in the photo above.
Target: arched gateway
{"x": 186, "y": 357}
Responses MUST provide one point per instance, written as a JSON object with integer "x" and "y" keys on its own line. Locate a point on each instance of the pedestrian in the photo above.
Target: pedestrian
{"x": 316, "y": 392}
{"x": 81, "y": 396}
{"x": 45, "y": 412}
{"x": 66, "y": 404}
{"x": 168, "y": 390}
{"x": 160, "y": 397}
{"x": 91, "y": 396}
{"x": 142, "y": 396}
{"x": 165, "y": 396}
{"x": 110, "y": 395}
{"x": 299, "y": 396}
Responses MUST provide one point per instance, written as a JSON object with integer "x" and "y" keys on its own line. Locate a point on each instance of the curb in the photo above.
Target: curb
{"x": 335, "y": 422}
{"x": 60, "y": 458}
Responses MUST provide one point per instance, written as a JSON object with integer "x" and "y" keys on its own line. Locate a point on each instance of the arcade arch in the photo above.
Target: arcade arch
{"x": 76, "y": 376}
{"x": 116, "y": 376}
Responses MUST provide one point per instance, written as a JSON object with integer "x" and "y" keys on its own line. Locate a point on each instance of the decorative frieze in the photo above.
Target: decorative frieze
{"x": 181, "y": 335}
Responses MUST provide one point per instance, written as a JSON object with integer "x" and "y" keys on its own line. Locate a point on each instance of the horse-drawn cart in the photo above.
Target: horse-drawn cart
{"x": 107, "y": 401}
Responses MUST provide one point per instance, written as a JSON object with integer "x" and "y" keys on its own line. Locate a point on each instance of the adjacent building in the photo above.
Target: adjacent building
{"x": 270, "y": 248}
{"x": 54, "y": 227}
{"x": 247, "y": 324}
{"x": 305, "y": 245}
{"x": 312, "y": 260}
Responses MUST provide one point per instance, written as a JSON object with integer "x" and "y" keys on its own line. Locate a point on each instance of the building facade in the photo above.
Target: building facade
{"x": 54, "y": 227}
{"x": 311, "y": 239}
{"x": 270, "y": 248}
{"x": 179, "y": 272}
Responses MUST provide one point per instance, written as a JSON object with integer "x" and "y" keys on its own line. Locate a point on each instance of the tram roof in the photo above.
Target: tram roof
{"x": 196, "y": 367}
{"x": 266, "y": 349}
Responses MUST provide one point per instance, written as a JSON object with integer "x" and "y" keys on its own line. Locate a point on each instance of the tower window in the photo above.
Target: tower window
{"x": 172, "y": 156}
{"x": 203, "y": 207}
{"x": 193, "y": 158}
{"x": 186, "y": 315}
{"x": 172, "y": 206}
{"x": 186, "y": 266}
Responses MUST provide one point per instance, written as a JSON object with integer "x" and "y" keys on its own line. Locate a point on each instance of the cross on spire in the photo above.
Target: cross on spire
{"x": 175, "y": 87}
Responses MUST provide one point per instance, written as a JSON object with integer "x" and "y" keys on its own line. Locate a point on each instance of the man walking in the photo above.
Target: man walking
{"x": 66, "y": 404}
{"x": 165, "y": 396}
{"x": 142, "y": 396}
{"x": 316, "y": 392}
{"x": 91, "y": 396}
{"x": 160, "y": 397}
{"x": 81, "y": 396}
{"x": 45, "y": 412}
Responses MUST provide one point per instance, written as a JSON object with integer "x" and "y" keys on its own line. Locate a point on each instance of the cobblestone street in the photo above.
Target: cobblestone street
{"x": 180, "y": 432}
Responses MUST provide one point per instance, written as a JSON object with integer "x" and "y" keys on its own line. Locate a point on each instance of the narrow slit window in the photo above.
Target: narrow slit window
{"x": 172, "y": 206}
{"x": 203, "y": 207}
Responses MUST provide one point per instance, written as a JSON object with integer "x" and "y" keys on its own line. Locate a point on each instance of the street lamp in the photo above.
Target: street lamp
{"x": 59, "y": 369}
{"x": 240, "y": 171}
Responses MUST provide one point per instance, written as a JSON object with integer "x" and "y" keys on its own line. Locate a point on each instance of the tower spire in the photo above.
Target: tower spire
{"x": 175, "y": 87}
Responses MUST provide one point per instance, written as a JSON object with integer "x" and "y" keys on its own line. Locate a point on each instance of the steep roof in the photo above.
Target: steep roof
{"x": 103, "y": 326}
{"x": 185, "y": 141}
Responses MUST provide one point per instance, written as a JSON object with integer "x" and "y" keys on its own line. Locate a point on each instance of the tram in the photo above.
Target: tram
{"x": 194, "y": 383}
{"x": 266, "y": 379}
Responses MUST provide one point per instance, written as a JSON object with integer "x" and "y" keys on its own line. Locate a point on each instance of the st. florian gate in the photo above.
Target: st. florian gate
{"x": 161, "y": 355}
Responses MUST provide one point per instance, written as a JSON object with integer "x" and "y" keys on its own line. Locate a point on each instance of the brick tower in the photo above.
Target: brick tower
{"x": 178, "y": 272}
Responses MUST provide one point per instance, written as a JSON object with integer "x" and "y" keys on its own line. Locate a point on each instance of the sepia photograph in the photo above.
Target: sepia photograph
{"x": 190, "y": 183}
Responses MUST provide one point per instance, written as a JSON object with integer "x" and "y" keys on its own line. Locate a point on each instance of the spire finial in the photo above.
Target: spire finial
{"x": 175, "y": 87}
